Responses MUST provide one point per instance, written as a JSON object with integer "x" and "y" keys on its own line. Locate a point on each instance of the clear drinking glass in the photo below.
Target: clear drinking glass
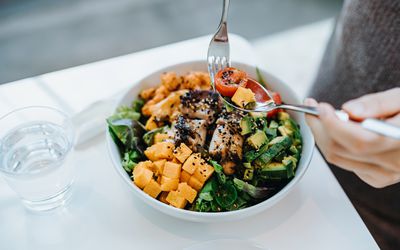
{"x": 35, "y": 155}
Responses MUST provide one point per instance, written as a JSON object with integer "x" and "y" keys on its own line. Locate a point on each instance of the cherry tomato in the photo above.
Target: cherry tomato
{"x": 278, "y": 100}
{"x": 228, "y": 80}
{"x": 258, "y": 91}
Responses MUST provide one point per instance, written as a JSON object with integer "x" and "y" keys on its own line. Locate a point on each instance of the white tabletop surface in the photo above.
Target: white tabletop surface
{"x": 103, "y": 214}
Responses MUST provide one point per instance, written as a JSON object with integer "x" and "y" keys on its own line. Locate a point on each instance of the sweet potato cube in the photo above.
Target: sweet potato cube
{"x": 161, "y": 137}
{"x": 151, "y": 123}
{"x": 185, "y": 176}
{"x": 182, "y": 152}
{"x": 187, "y": 192}
{"x": 163, "y": 197}
{"x": 192, "y": 163}
{"x": 152, "y": 188}
{"x": 169, "y": 184}
{"x": 159, "y": 166}
{"x": 176, "y": 161}
{"x": 142, "y": 177}
{"x": 176, "y": 200}
{"x": 194, "y": 183}
{"x": 142, "y": 164}
{"x": 172, "y": 170}
{"x": 203, "y": 172}
{"x": 159, "y": 151}
{"x": 159, "y": 179}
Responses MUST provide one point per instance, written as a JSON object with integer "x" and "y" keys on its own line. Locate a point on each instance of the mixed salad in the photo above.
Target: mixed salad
{"x": 183, "y": 146}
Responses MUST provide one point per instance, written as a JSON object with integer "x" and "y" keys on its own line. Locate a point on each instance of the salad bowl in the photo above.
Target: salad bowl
{"x": 275, "y": 84}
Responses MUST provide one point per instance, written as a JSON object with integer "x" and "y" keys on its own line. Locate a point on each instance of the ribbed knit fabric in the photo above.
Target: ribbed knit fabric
{"x": 363, "y": 56}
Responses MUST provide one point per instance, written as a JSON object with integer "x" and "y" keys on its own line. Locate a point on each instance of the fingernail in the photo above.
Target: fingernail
{"x": 356, "y": 108}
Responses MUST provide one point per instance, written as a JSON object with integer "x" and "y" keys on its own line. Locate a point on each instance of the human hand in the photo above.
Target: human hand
{"x": 372, "y": 157}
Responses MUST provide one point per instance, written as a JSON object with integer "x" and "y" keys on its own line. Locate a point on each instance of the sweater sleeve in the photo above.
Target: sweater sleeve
{"x": 363, "y": 54}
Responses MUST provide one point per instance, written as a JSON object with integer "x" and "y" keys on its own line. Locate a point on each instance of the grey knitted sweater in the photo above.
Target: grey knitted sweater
{"x": 363, "y": 56}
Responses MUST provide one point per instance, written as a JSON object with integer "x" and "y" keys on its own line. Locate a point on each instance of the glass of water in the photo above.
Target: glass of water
{"x": 35, "y": 156}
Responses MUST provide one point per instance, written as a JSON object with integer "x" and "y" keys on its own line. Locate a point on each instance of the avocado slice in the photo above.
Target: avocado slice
{"x": 278, "y": 145}
{"x": 244, "y": 97}
{"x": 282, "y": 116}
{"x": 257, "y": 139}
{"x": 273, "y": 125}
{"x": 246, "y": 124}
{"x": 285, "y": 131}
{"x": 274, "y": 170}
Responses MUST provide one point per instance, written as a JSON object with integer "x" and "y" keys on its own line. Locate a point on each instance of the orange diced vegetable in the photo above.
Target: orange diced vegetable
{"x": 182, "y": 152}
{"x": 195, "y": 183}
{"x": 159, "y": 151}
{"x": 187, "y": 192}
{"x": 169, "y": 184}
{"x": 203, "y": 172}
{"x": 185, "y": 176}
{"x": 142, "y": 177}
{"x": 176, "y": 200}
{"x": 152, "y": 188}
{"x": 172, "y": 170}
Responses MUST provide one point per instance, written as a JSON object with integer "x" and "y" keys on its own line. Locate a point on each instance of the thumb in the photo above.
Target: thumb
{"x": 377, "y": 105}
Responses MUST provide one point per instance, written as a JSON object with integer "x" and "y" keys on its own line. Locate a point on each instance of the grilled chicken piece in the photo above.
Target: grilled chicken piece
{"x": 166, "y": 107}
{"x": 226, "y": 142}
{"x": 192, "y": 132}
{"x": 201, "y": 104}
{"x": 229, "y": 167}
{"x": 219, "y": 144}
{"x": 236, "y": 146}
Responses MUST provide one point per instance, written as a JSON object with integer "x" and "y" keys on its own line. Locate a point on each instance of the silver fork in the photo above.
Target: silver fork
{"x": 218, "y": 50}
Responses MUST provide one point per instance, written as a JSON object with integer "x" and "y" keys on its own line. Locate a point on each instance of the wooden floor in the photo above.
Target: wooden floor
{"x": 39, "y": 36}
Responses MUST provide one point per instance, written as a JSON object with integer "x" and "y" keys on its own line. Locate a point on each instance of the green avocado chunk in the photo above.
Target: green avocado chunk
{"x": 277, "y": 145}
{"x": 246, "y": 124}
{"x": 257, "y": 139}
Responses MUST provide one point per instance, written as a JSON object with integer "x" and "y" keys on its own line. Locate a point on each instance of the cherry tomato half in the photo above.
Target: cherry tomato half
{"x": 258, "y": 91}
{"x": 228, "y": 80}
{"x": 278, "y": 100}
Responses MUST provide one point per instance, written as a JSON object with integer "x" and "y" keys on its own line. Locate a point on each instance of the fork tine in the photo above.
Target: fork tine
{"x": 224, "y": 62}
{"x": 211, "y": 65}
{"x": 217, "y": 64}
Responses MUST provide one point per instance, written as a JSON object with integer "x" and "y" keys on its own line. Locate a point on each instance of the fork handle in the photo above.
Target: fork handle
{"x": 300, "y": 108}
{"x": 371, "y": 124}
{"x": 222, "y": 28}
{"x": 224, "y": 16}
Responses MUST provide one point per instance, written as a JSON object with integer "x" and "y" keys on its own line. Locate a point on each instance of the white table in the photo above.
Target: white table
{"x": 103, "y": 214}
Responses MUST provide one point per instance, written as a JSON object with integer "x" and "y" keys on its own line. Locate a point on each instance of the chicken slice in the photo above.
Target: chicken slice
{"x": 192, "y": 132}
{"x": 201, "y": 104}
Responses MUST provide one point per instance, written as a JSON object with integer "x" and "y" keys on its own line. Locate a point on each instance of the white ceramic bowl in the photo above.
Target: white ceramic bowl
{"x": 287, "y": 96}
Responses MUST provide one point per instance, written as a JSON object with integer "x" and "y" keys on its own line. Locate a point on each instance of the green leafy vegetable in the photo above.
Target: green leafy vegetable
{"x": 148, "y": 138}
{"x": 132, "y": 115}
{"x": 225, "y": 194}
{"x": 129, "y": 112}
{"x": 255, "y": 192}
{"x": 137, "y": 105}
{"x": 205, "y": 198}
{"x": 238, "y": 204}
{"x": 220, "y": 171}
{"x": 130, "y": 160}
{"x": 127, "y": 134}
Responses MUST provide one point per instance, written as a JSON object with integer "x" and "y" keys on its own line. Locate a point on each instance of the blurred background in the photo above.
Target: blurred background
{"x": 40, "y": 36}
